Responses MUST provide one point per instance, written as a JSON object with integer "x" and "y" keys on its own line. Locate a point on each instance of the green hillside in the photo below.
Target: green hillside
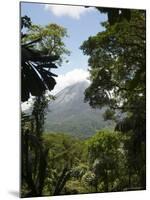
{"x": 70, "y": 114}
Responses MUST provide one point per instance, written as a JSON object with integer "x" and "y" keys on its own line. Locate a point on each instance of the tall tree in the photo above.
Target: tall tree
{"x": 51, "y": 40}
{"x": 117, "y": 60}
{"x": 117, "y": 64}
{"x": 105, "y": 152}
{"x": 116, "y": 14}
{"x": 41, "y": 49}
{"x": 36, "y": 63}
{"x": 36, "y": 77}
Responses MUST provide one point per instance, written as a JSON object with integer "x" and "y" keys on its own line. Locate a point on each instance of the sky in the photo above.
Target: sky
{"x": 80, "y": 23}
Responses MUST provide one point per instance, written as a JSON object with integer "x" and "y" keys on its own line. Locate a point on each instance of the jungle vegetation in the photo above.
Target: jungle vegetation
{"x": 110, "y": 160}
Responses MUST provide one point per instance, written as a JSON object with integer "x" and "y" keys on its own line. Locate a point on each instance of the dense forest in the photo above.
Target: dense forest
{"x": 112, "y": 159}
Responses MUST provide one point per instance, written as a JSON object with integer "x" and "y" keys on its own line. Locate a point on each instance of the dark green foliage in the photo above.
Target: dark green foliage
{"x": 36, "y": 78}
{"x": 109, "y": 115}
{"x": 41, "y": 48}
{"x": 114, "y": 160}
{"x": 64, "y": 155}
{"x": 101, "y": 163}
{"x": 104, "y": 155}
{"x": 35, "y": 81}
{"x": 33, "y": 71}
{"x": 25, "y": 22}
{"x": 117, "y": 60}
{"x": 51, "y": 42}
{"x": 34, "y": 162}
{"x": 34, "y": 154}
{"x": 116, "y": 14}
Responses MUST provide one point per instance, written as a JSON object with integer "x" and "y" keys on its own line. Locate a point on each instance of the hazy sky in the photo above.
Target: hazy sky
{"x": 80, "y": 23}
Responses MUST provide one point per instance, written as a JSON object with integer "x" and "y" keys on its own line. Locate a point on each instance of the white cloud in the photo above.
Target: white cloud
{"x": 71, "y": 11}
{"x": 72, "y": 77}
{"x": 27, "y": 104}
{"x": 64, "y": 80}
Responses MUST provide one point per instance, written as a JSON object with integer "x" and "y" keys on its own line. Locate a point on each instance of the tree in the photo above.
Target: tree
{"x": 104, "y": 149}
{"x": 34, "y": 153}
{"x": 41, "y": 49}
{"x": 117, "y": 60}
{"x": 64, "y": 155}
{"x": 51, "y": 40}
{"x": 36, "y": 78}
{"x": 116, "y": 14}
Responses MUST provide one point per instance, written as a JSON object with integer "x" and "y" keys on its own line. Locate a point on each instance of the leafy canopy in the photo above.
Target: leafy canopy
{"x": 51, "y": 39}
{"x": 42, "y": 48}
{"x": 117, "y": 65}
{"x": 117, "y": 60}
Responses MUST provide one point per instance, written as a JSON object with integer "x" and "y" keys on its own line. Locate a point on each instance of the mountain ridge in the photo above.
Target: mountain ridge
{"x": 70, "y": 114}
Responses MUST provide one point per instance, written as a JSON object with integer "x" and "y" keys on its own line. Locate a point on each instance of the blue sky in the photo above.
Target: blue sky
{"x": 80, "y": 23}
